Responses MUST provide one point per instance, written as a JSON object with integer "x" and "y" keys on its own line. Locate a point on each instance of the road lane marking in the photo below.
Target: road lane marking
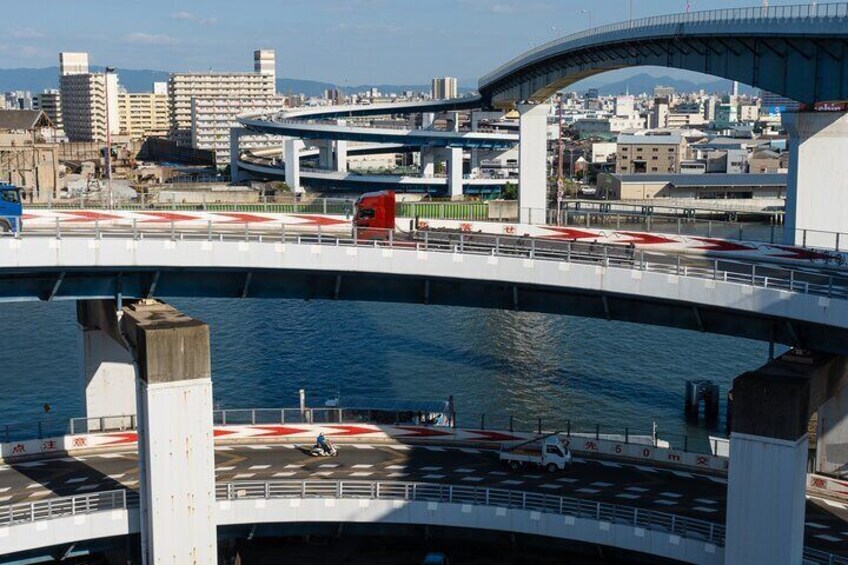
{"x": 223, "y": 448}
{"x": 706, "y": 501}
{"x": 86, "y": 487}
{"x": 588, "y": 490}
{"x": 469, "y": 450}
{"x": 665, "y": 502}
{"x": 533, "y": 477}
{"x": 361, "y": 474}
{"x": 5, "y": 498}
{"x": 463, "y": 470}
{"x": 362, "y": 466}
{"x": 568, "y": 480}
{"x": 328, "y": 466}
{"x": 244, "y": 475}
{"x": 512, "y": 482}
{"x": 816, "y": 525}
{"x": 363, "y": 446}
{"x": 683, "y": 474}
{"x": 30, "y": 464}
{"x": 602, "y": 484}
{"x": 396, "y": 467}
{"x": 433, "y": 477}
{"x": 5, "y": 489}
{"x": 400, "y": 447}
{"x": 36, "y": 485}
{"x": 551, "y": 487}
{"x": 628, "y": 496}
{"x": 285, "y": 474}
{"x": 259, "y": 467}
{"x": 826, "y": 537}
{"x": 116, "y": 477}
{"x": 110, "y": 456}
{"x": 834, "y": 504}
{"x": 637, "y": 489}
{"x": 499, "y": 473}
{"x": 704, "y": 509}
{"x": 610, "y": 464}
{"x": 431, "y": 468}
{"x": 472, "y": 479}
{"x": 718, "y": 480}
{"x": 433, "y": 448}
{"x": 293, "y": 467}
{"x": 76, "y": 480}
{"x": 258, "y": 447}
{"x": 224, "y": 468}
{"x": 645, "y": 469}
{"x": 397, "y": 475}
{"x": 671, "y": 495}
{"x": 322, "y": 474}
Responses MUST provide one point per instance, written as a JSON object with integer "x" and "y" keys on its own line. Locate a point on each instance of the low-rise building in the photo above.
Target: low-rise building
{"x": 716, "y": 186}
{"x": 650, "y": 154}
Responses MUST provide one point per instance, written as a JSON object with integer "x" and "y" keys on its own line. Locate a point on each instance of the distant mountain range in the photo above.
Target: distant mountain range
{"x": 36, "y": 80}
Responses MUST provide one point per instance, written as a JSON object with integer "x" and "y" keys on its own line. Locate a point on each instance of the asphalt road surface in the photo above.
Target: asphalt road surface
{"x": 673, "y": 491}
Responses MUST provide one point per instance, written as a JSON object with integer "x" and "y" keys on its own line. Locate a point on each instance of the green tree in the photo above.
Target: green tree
{"x": 509, "y": 191}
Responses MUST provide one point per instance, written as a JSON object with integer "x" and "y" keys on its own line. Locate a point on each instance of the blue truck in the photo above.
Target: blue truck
{"x": 10, "y": 208}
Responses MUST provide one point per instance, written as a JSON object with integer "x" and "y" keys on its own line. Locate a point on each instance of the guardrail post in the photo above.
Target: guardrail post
{"x": 678, "y": 266}
{"x": 426, "y": 240}
{"x": 173, "y": 231}
{"x": 253, "y": 417}
{"x": 461, "y": 242}
{"x": 533, "y": 248}
{"x": 97, "y": 229}
{"x": 753, "y": 275}
{"x": 58, "y": 229}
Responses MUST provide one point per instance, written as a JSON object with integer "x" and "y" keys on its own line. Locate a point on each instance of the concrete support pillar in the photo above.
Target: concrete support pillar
{"x": 475, "y": 163}
{"x": 771, "y": 409}
{"x": 428, "y": 162}
{"x": 817, "y": 194}
{"x": 108, "y": 375}
{"x": 340, "y": 150}
{"x": 455, "y": 173}
{"x": 832, "y": 436}
{"x": 533, "y": 163}
{"x": 427, "y": 119}
{"x": 291, "y": 150}
{"x": 235, "y": 172}
{"x": 325, "y": 154}
{"x": 176, "y": 453}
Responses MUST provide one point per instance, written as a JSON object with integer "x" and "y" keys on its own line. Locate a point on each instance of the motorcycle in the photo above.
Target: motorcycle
{"x": 318, "y": 451}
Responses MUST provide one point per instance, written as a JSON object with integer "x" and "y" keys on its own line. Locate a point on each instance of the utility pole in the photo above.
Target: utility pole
{"x": 560, "y": 183}
{"x": 108, "y": 160}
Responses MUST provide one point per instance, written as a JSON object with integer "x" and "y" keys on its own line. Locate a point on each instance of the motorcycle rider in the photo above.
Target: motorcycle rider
{"x": 322, "y": 443}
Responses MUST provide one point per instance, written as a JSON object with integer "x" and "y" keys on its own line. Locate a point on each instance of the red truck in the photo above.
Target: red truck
{"x": 374, "y": 215}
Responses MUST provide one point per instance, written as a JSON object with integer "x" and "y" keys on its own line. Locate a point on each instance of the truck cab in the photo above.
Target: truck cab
{"x": 10, "y": 208}
{"x": 374, "y": 215}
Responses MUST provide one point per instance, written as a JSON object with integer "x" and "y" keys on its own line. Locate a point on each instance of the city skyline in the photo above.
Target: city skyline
{"x": 361, "y": 41}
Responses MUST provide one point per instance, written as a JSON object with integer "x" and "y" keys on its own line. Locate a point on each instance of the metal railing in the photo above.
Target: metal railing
{"x": 690, "y": 528}
{"x": 806, "y": 280}
{"x": 729, "y": 15}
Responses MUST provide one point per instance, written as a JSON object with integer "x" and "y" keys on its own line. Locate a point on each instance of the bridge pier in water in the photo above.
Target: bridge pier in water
{"x": 175, "y": 434}
{"x": 533, "y": 163}
{"x": 817, "y": 193}
{"x": 771, "y": 411}
{"x": 291, "y": 152}
{"x": 108, "y": 375}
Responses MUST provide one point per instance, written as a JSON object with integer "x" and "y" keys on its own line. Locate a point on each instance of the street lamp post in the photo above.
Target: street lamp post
{"x": 109, "y": 71}
{"x": 589, "y": 15}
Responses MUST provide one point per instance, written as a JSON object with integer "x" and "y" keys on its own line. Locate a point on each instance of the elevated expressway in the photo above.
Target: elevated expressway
{"x": 48, "y": 505}
{"x": 803, "y": 307}
{"x": 800, "y": 52}
{"x": 326, "y": 127}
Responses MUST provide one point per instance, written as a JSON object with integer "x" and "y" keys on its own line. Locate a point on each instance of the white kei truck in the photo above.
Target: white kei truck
{"x": 546, "y": 452}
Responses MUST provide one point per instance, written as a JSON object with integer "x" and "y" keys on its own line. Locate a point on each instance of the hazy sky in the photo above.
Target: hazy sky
{"x": 342, "y": 41}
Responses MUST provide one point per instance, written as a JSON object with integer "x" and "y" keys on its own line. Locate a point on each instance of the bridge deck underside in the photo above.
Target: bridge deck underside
{"x": 362, "y": 286}
{"x": 807, "y": 69}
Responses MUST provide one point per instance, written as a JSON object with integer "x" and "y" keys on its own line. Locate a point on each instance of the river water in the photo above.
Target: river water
{"x": 557, "y": 368}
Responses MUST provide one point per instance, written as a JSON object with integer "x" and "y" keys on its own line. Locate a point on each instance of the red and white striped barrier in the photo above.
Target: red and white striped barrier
{"x": 646, "y": 241}
{"x": 364, "y": 433}
{"x": 834, "y": 488}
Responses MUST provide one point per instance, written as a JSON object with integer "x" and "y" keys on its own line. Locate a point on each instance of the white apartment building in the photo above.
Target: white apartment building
{"x": 213, "y": 118}
{"x": 143, "y": 114}
{"x": 89, "y": 100}
{"x": 443, "y": 88}
{"x": 183, "y": 88}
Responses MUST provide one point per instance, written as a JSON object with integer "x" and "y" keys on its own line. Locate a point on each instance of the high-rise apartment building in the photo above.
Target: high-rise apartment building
{"x": 183, "y": 88}
{"x": 213, "y": 118}
{"x": 143, "y": 114}
{"x": 89, "y": 100}
{"x": 443, "y": 88}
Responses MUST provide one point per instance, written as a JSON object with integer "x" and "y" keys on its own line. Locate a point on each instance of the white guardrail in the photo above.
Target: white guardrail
{"x": 674, "y": 524}
{"x": 800, "y": 280}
